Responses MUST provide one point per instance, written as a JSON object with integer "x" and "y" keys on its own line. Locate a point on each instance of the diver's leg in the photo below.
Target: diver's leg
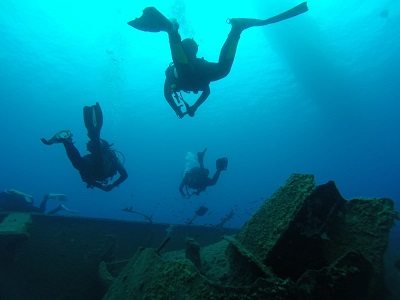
{"x": 55, "y": 210}
{"x": 73, "y": 155}
{"x": 226, "y": 57}
{"x": 181, "y": 61}
{"x": 228, "y": 50}
{"x": 65, "y": 137}
{"x": 43, "y": 204}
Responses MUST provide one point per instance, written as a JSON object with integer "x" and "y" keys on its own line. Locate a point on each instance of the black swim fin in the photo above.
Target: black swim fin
{"x": 295, "y": 11}
{"x": 93, "y": 117}
{"x": 244, "y": 23}
{"x": 151, "y": 20}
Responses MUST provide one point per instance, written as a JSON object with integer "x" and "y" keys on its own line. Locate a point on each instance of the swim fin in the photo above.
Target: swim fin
{"x": 295, "y": 11}
{"x": 57, "y": 197}
{"x": 93, "y": 117}
{"x": 151, "y": 20}
{"x": 244, "y": 23}
{"x": 200, "y": 155}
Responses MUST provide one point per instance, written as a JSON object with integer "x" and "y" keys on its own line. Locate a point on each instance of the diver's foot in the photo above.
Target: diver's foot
{"x": 60, "y": 137}
{"x": 241, "y": 24}
{"x": 175, "y": 24}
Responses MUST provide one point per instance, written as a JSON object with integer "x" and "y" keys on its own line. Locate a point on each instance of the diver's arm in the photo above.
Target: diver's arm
{"x": 214, "y": 180}
{"x": 204, "y": 95}
{"x": 91, "y": 184}
{"x": 123, "y": 175}
{"x": 183, "y": 184}
{"x": 170, "y": 99}
{"x": 181, "y": 188}
{"x": 221, "y": 164}
{"x": 198, "y": 191}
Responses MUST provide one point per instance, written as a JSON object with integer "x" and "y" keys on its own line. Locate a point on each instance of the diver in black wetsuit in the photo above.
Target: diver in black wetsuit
{"x": 16, "y": 201}
{"x": 98, "y": 167}
{"x": 191, "y": 74}
{"x": 197, "y": 177}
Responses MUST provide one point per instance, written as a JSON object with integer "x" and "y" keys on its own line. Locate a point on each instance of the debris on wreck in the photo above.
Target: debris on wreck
{"x": 225, "y": 219}
{"x": 129, "y": 209}
{"x": 304, "y": 242}
{"x": 201, "y": 211}
{"x": 13, "y": 232}
{"x": 16, "y": 224}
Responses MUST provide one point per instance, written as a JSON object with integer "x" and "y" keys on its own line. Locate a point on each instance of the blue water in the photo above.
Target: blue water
{"x": 315, "y": 94}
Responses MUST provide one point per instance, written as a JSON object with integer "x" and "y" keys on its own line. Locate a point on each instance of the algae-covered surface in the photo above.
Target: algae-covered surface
{"x": 272, "y": 219}
{"x": 363, "y": 225}
{"x": 305, "y": 242}
{"x": 16, "y": 224}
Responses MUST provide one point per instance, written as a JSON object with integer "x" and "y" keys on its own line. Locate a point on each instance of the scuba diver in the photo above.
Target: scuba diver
{"x": 100, "y": 166}
{"x": 191, "y": 74}
{"x": 16, "y": 201}
{"x": 197, "y": 178}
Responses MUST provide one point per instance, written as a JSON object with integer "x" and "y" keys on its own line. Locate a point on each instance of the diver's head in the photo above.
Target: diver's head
{"x": 104, "y": 145}
{"x": 190, "y": 47}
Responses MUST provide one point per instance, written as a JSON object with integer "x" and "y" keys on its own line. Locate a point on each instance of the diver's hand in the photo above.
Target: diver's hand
{"x": 107, "y": 187}
{"x": 186, "y": 196}
{"x": 179, "y": 112}
{"x": 180, "y": 115}
{"x": 190, "y": 111}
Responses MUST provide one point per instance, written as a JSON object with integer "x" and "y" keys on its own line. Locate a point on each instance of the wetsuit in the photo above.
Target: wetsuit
{"x": 17, "y": 203}
{"x": 191, "y": 74}
{"x": 197, "y": 178}
{"x": 97, "y": 167}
